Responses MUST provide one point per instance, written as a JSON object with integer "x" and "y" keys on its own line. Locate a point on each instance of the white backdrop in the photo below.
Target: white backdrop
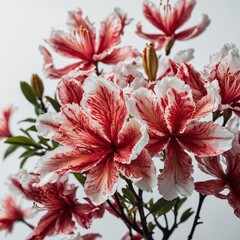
{"x": 24, "y": 24}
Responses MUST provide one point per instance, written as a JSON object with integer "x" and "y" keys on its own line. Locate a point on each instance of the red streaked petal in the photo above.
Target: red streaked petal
{"x": 123, "y": 18}
{"x": 79, "y": 129}
{"x": 194, "y": 31}
{"x": 69, "y": 91}
{"x": 4, "y": 122}
{"x": 104, "y": 102}
{"x": 152, "y": 14}
{"x": 131, "y": 141}
{"x": 67, "y": 159}
{"x": 65, "y": 44}
{"x": 146, "y": 107}
{"x": 114, "y": 55}
{"x": 76, "y": 21}
{"x": 176, "y": 176}
{"x": 205, "y": 139}
{"x": 211, "y": 166}
{"x": 102, "y": 181}
{"x": 141, "y": 170}
{"x": 52, "y": 72}
{"x": 179, "y": 105}
{"x": 109, "y": 35}
{"x": 211, "y": 187}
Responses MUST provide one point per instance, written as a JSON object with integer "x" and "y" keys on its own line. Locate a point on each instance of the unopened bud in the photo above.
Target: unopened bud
{"x": 37, "y": 85}
{"x": 150, "y": 62}
{"x": 169, "y": 46}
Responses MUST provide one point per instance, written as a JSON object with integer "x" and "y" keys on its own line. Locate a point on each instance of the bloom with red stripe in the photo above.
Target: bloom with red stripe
{"x": 99, "y": 139}
{"x": 169, "y": 113}
{"x": 168, "y": 20}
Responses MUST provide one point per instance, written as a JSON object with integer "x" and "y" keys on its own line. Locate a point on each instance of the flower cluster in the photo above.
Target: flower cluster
{"x": 139, "y": 125}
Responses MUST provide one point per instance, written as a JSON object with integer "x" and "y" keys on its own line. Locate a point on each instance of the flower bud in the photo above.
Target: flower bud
{"x": 37, "y": 85}
{"x": 150, "y": 62}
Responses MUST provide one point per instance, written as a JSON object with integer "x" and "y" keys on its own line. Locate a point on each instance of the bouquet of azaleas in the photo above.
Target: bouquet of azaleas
{"x": 125, "y": 131}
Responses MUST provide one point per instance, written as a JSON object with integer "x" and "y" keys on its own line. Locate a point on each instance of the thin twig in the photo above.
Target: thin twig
{"x": 197, "y": 216}
{"x": 28, "y": 224}
{"x": 125, "y": 220}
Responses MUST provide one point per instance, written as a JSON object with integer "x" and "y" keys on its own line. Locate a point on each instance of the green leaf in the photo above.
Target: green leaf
{"x": 180, "y": 202}
{"x": 28, "y": 93}
{"x": 23, "y": 162}
{"x": 129, "y": 195}
{"x": 28, "y": 153}
{"x": 22, "y": 141}
{"x": 32, "y": 128}
{"x": 80, "y": 178}
{"x": 162, "y": 206}
{"x": 55, "y": 104}
{"x": 31, "y": 120}
{"x": 187, "y": 214}
{"x": 9, "y": 150}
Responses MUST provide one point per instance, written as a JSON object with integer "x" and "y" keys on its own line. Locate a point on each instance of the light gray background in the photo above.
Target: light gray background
{"x": 24, "y": 24}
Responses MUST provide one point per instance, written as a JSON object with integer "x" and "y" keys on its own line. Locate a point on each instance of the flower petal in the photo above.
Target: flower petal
{"x": 211, "y": 187}
{"x": 141, "y": 171}
{"x": 114, "y": 55}
{"x": 152, "y": 14}
{"x": 104, "y": 102}
{"x": 102, "y": 181}
{"x": 109, "y": 35}
{"x": 194, "y": 31}
{"x": 177, "y": 101}
{"x": 131, "y": 141}
{"x": 53, "y": 73}
{"x": 67, "y": 159}
{"x": 205, "y": 139}
{"x": 176, "y": 176}
{"x": 4, "y": 122}
{"x": 69, "y": 91}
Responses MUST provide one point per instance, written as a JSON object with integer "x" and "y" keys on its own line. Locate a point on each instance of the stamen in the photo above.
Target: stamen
{"x": 166, "y": 7}
{"x": 81, "y": 31}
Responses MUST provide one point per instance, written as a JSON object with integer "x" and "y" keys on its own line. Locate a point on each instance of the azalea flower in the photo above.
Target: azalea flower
{"x": 169, "y": 112}
{"x": 82, "y": 43}
{"x": 4, "y": 123}
{"x": 168, "y": 20}
{"x": 11, "y": 213}
{"x": 59, "y": 200}
{"x": 225, "y": 68}
{"x": 226, "y": 170}
{"x": 99, "y": 139}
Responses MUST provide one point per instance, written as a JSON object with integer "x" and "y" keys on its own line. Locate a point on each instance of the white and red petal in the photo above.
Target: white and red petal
{"x": 145, "y": 106}
{"x": 177, "y": 101}
{"x": 130, "y": 141}
{"x": 152, "y": 14}
{"x": 4, "y": 122}
{"x": 48, "y": 125}
{"x": 52, "y": 72}
{"x": 208, "y": 103}
{"x": 211, "y": 187}
{"x": 114, "y": 55}
{"x": 110, "y": 33}
{"x": 205, "y": 139}
{"x": 69, "y": 91}
{"x": 141, "y": 171}
{"x": 104, "y": 102}
{"x": 65, "y": 44}
{"x": 102, "y": 181}
{"x": 195, "y": 30}
{"x": 232, "y": 126}
{"x": 211, "y": 166}
{"x": 123, "y": 18}
{"x": 176, "y": 176}
{"x": 68, "y": 159}
{"x": 76, "y": 21}
{"x": 79, "y": 129}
